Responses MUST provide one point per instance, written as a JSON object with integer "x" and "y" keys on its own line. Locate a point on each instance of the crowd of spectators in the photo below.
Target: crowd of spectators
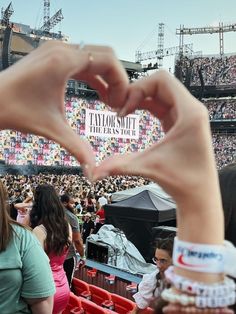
{"x": 215, "y": 70}
{"x": 225, "y": 148}
{"x": 221, "y": 109}
{"x": 85, "y": 194}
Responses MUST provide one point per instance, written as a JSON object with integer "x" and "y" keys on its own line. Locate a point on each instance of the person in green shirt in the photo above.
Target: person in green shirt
{"x": 26, "y": 282}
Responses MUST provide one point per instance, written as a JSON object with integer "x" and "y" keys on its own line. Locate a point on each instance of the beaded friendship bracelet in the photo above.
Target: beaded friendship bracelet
{"x": 219, "y": 289}
{"x": 199, "y": 301}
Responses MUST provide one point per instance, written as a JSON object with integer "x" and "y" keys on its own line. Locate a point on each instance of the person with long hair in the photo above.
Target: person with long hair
{"x": 151, "y": 286}
{"x": 47, "y": 218}
{"x": 26, "y": 283}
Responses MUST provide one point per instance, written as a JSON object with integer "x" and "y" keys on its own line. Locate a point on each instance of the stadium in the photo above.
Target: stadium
{"x": 209, "y": 78}
{"x": 117, "y": 249}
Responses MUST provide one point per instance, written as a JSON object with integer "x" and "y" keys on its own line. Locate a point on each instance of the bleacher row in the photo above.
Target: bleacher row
{"x": 91, "y": 299}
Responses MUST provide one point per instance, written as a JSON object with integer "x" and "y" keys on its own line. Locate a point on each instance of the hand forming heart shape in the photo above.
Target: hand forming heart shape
{"x": 32, "y": 100}
{"x": 36, "y": 104}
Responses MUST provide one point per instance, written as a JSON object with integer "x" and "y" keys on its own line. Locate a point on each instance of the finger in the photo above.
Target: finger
{"x": 98, "y": 84}
{"x": 71, "y": 62}
{"x": 108, "y": 67}
{"x": 62, "y": 133}
{"x": 128, "y": 164}
{"x": 162, "y": 88}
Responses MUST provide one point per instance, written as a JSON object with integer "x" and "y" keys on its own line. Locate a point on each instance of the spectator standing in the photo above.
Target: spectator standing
{"x": 90, "y": 208}
{"x": 102, "y": 200}
{"x": 77, "y": 243}
{"x": 47, "y": 217}
{"x": 88, "y": 226}
{"x": 17, "y": 198}
{"x": 152, "y": 285}
{"x": 26, "y": 283}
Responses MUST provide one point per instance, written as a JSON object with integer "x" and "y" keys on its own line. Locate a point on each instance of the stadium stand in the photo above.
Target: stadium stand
{"x": 212, "y": 79}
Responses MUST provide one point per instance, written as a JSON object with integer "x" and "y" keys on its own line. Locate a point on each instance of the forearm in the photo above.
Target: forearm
{"x": 7, "y": 98}
{"x": 41, "y": 306}
{"x": 79, "y": 247}
{"x": 200, "y": 220}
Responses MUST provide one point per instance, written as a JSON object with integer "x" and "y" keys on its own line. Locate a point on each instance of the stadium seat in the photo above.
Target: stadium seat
{"x": 99, "y": 295}
{"x": 90, "y": 307}
{"x": 121, "y": 304}
{"x": 81, "y": 288}
{"x": 74, "y": 305}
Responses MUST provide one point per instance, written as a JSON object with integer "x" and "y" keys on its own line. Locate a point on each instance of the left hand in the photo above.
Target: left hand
{"x": 33, "y": 91}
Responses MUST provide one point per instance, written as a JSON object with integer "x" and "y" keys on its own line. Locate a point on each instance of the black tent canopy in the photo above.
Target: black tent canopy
{"x": 137, "y": 215}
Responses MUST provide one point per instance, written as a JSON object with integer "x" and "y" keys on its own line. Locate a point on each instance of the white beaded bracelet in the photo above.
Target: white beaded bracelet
{"x": 219, "y": 289}
{"x": 199, "y": 301}
{"x": 172, "y": 297}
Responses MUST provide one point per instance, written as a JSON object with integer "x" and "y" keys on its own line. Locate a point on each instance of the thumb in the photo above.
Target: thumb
{"x": 128, "y": 164}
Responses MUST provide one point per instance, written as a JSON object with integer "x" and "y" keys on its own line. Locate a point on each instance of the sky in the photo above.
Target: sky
{"x": 131, "y": 25}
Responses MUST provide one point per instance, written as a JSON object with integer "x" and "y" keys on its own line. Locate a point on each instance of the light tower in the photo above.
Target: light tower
{"x": 161, "y": 52}
{"x": 50, "y": 22}
{"x": 160, "y": 44}
{"x": 6, "y": 14}
{"x": 46, "y": 15}
{"x": 221, "y": 29}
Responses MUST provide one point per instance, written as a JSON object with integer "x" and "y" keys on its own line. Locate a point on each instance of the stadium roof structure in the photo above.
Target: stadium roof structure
{"x": 132, "y": 66}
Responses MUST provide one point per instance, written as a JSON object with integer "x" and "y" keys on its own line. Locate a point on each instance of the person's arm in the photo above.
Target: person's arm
{"x": 146, "y": 291}
{"x": 41, "y": 306}
{"x": 41, "y": 234}
{"x": 182, "y": 162}
{"x": 38, "y": 285}
{"x": 78, "y": 243}
{"x": 21, "y": 205}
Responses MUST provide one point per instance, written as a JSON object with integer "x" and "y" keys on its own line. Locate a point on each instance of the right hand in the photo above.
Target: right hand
{"x": 183, "y": 159}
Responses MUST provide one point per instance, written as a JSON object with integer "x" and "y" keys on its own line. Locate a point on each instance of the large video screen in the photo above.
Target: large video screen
{"x": 136, "y": 133}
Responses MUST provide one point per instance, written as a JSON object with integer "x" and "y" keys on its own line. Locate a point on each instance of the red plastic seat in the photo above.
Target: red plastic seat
{"x": 74, "y": 305}
{"x": 99, "y": 295}
{"x": 81, "y": 288}
{"x": 90, "y": 307}
{"x": 121, "y": 304}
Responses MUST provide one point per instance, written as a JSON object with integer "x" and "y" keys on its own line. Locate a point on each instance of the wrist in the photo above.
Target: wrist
{"x": 7, "y": 92}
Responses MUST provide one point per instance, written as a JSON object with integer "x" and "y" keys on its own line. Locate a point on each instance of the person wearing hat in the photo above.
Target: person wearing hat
{"x": 88, "y": 226}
